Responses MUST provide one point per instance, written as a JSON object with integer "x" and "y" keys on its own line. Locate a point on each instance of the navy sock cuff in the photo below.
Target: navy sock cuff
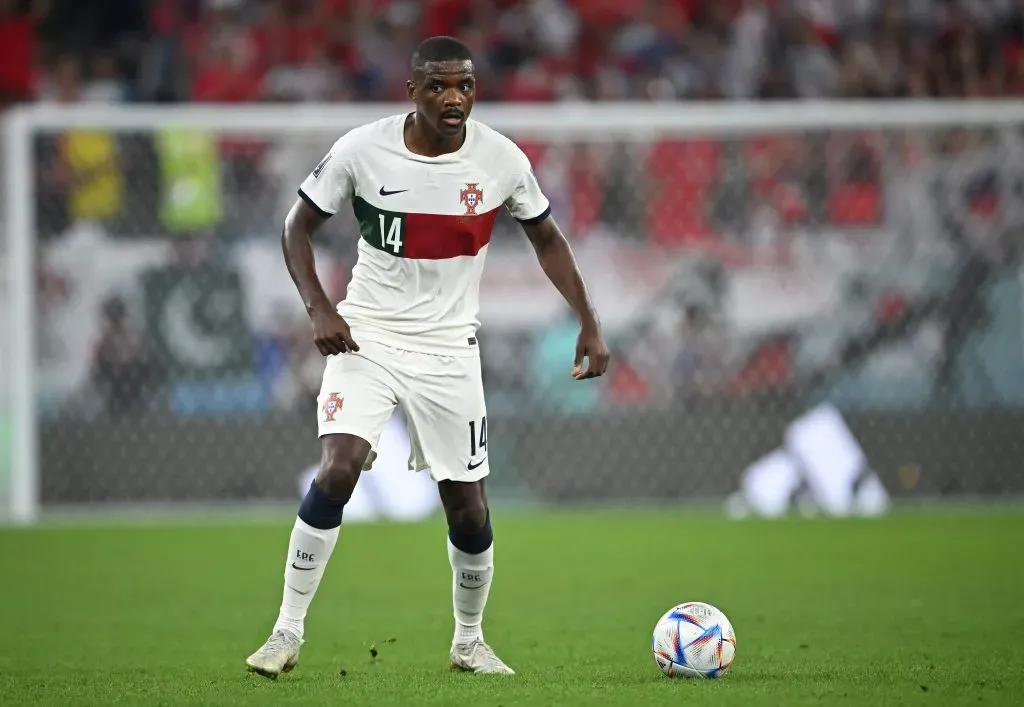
{"x": 473, "y": 542}
{"x": 320, "y": 510}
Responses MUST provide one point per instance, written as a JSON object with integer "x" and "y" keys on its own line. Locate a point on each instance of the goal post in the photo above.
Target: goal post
{"x": 19, "y": 425}
{"x": 747, "y": 233}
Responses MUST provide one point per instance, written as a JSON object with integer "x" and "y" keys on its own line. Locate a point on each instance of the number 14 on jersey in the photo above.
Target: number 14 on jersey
{"x": 391, "y": 235}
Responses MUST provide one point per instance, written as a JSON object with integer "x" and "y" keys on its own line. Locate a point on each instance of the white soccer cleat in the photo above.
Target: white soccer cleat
{"x": 477, "y": 657}
{"x": 280, "y": 654}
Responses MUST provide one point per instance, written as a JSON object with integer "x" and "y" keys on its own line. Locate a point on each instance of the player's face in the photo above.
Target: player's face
{"x": 444, "y": 96}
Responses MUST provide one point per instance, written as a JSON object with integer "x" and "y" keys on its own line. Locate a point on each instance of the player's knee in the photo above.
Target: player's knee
{"x": 324, "y": 503}
{"x": 469, "y": 528}
{"x": 468, "y": 518}
{"x": 337, "y": 477}
{"x": 339, "y": 471}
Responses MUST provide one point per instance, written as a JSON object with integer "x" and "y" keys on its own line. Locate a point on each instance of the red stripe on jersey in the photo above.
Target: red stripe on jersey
{"x": 441, "y": 236}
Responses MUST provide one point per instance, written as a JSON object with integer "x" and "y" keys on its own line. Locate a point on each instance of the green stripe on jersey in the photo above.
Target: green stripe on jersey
{"x": 384, "y": 230}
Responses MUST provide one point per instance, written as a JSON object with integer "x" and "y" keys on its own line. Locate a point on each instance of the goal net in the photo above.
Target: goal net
{"x": 751, "y": 263}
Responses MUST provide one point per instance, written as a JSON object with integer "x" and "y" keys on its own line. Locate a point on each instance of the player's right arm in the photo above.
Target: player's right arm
{"x": 320, "y": 196}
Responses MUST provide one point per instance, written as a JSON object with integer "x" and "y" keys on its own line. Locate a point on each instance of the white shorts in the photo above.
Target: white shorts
{"x": 442, "y": 396}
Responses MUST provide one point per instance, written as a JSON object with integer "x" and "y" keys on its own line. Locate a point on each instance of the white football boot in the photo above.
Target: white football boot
{"x": 280, "y": 654}
{"x": 477, "y": 657}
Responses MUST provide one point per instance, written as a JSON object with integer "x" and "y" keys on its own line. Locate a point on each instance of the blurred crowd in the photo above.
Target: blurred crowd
{"x": 526, "y": 50}
{"x": 739, "y": 199}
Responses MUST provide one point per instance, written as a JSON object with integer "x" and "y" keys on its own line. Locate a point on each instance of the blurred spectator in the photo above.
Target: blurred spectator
{"x": 18, "y": 20}
{"x": 81, "y": 177}
{"x": 120, "y": 372}
{"x": 699, "y": 366}
{"x": 812, "y": 62}
{"x": 226, "y": 70}
{"x": 189, "y": 180}
{"x": 105, "y": 84}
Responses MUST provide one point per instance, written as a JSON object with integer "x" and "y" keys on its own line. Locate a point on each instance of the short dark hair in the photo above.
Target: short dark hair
{"x": 435, "y": 49}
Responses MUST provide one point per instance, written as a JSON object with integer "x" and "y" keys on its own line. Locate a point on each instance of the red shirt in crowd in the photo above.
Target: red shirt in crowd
{"x": 17, "y": 46}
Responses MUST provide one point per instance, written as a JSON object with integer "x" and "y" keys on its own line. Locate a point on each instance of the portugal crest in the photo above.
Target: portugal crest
{"x": 332, "y": 406}
{"x": 471, "y": 197}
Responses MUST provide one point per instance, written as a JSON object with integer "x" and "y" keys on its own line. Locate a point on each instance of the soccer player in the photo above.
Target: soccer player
{"x": 426, "y": 189}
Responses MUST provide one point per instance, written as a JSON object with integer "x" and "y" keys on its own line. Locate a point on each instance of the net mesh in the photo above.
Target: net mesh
{"x": 741, "y": 282}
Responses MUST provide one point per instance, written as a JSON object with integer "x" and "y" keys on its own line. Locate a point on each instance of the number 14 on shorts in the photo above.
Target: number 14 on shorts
{"x": 477, "y": 442}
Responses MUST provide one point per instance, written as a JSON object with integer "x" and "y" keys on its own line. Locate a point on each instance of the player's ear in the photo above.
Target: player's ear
{"x": 410, "y": 90}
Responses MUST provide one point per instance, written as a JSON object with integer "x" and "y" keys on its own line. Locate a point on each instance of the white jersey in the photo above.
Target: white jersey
{"x": 425, "y": 223}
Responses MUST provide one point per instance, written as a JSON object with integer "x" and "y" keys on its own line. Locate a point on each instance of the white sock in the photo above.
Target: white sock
{"x": 308, "y": 552}
{"x": 471, "y": 583}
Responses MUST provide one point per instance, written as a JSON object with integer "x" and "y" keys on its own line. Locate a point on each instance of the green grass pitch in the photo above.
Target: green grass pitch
{"x": 925, "y": 607}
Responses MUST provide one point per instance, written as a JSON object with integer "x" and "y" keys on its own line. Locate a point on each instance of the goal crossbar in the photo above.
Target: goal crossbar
{"x": 559, "y": 120}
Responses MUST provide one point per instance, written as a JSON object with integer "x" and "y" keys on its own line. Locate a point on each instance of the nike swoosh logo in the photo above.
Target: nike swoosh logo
{"x": 385, "y": 192}
{"x": 472, "y": 466}
{"x": 465, "y": 587}
{"x": 302, "y": 569}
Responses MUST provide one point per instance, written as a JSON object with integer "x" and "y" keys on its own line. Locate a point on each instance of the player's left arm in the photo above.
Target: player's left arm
{"x": 558, "y": 262}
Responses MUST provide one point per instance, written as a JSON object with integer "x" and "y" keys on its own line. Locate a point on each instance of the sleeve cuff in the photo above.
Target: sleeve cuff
{"x": 536, "y": 219}
{"x": 313, "y": 205}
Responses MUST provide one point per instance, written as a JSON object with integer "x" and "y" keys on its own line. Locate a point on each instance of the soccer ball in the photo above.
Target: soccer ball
{"x": 694, "y": 640}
